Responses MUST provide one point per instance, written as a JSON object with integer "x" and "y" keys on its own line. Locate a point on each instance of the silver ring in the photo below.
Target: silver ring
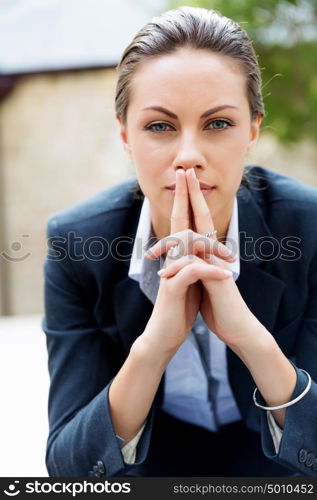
{"x": 173, "y": 252}
{"x": 211, "y": 233}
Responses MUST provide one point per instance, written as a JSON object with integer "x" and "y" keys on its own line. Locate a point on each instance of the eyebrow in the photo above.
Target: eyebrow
{"x": 210, "y": 111}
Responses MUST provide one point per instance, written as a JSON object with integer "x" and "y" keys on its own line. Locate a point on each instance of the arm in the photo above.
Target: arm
{"x": 129, "y": 405}
{"x": 276, "y": 377}
{"x": 298, "y": 447}
{"x": 82, "y": 363}
{"x": 259, "y": 351}
{"x": 273, "y": 374}
{"x": 96, "y": 395}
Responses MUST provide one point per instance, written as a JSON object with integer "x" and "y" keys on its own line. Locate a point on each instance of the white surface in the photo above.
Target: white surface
{"x": 24, "y": 383}
{"x": 37, "y": 35}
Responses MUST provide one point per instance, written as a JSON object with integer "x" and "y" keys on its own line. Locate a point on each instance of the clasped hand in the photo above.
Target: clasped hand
{"x": 196, "y": 269}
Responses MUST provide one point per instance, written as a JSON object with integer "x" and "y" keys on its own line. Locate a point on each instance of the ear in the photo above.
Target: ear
{"x": 123, "y": 134}
{"x": 254, "y": 131}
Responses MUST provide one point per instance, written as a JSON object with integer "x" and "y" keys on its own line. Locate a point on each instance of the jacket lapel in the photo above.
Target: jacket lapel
{"x": 131, "y": 307}
{"x": 132, "y": 310}
{"x": 261, "y": 291}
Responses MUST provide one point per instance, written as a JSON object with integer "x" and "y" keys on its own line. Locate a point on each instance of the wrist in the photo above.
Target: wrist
{"x": 149, "y": 351}
{"x": 256, "y": 341}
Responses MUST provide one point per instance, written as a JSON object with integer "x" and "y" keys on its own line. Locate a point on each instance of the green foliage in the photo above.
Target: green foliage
{"x": 284, "y": 34}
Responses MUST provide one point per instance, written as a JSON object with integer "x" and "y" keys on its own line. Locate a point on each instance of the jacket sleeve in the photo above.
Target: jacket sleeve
{"x": 298, "y": 446}
{"x": 82, "y": 363}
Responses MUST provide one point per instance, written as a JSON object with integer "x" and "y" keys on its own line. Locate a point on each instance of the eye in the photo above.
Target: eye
{"x": 219, "y": 124}
{"x": 159, "y": 127}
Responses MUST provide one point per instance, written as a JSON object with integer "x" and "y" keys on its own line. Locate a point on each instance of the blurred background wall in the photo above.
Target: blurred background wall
{"x": 59, "y": 145}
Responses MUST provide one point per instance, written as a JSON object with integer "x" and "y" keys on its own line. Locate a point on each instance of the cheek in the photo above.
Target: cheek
{"x": 227, "y": 150}
{"x": 227, "y": 158}
{"x": 150, "y": 161}
{"x": 230, "y": 168}
{"x": 148, "y": 167}
{"x": 230, "y": 156}
{"x": 155, "y": 152}
{"x": 236, "y": 148}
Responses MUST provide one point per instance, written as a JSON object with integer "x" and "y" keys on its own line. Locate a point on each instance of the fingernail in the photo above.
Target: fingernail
{"x": 230, "y": 256}
{"x": 227, "y": 252}
{"x": 161, "y": 272}
{"x": 226, "y": 272}
{"x": 192, "y": 173}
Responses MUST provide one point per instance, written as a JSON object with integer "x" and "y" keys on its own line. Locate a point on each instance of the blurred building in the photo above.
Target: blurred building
{"x": 59, "y": 139}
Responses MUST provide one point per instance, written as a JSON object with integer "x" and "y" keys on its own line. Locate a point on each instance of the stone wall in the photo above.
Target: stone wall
{"x": 60, "y": 144}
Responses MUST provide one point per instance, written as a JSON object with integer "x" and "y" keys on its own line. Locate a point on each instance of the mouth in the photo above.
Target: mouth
{"x": 205, "y": 188}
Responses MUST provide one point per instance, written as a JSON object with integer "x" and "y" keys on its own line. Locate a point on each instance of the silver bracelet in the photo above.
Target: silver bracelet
{"x": 290, "y": 403}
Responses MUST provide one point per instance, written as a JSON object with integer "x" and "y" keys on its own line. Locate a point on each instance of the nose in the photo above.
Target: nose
{"x": 189, "y": 154}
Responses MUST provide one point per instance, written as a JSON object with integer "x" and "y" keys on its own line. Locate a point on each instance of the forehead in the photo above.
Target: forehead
{"x": 188, "y": 74}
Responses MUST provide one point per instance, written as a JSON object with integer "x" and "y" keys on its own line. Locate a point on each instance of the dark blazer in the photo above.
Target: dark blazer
{"x": 94, "y": 312}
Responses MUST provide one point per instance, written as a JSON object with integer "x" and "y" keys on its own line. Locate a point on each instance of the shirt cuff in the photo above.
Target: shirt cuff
{"x": 275, "y": 430}
{"x": 129, "y": 450}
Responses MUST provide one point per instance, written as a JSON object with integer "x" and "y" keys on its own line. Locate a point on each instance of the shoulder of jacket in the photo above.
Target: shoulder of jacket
{"x": 116, "y": 198}
{"x": 273, "y": 187}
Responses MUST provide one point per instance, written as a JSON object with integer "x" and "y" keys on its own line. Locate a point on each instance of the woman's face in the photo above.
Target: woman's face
{"x": 189, "y": 109}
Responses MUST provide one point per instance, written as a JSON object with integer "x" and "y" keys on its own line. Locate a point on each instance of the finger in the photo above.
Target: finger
{"x": 172, "y": 255}
{"x": 200, "y": 244}
{"x": 165, "y": 244}
{"x": 189, "y": 242}
{"x": 197, "y": 266}
{"x": 190, "y": 274}
{"x": 180, "y": 210}
{"x": 202, "y": 216}
{"x": 211, "y": 259}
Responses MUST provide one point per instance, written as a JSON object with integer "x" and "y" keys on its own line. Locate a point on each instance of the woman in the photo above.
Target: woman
{"x": 208, "y": 367}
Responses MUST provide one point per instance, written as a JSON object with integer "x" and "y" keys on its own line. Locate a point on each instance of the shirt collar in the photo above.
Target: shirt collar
{"x": 144, "y": 234}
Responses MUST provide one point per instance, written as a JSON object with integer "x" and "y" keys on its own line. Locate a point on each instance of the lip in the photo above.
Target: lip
{"x": 203, "y": 186}
{"x": 206, "y": 191}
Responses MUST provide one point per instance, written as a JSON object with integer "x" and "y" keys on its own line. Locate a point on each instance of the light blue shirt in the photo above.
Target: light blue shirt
{"x": 186, "y": 394}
